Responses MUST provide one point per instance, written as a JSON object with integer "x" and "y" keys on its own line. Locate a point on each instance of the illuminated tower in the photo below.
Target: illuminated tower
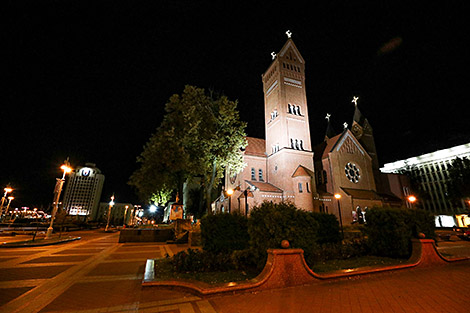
{"x": 287, "y": 126}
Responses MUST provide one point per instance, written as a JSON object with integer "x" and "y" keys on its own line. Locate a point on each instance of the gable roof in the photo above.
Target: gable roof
{"x": 263, "y": 186}
{"x": 302, "y": 171}
{"x": 337, "y": 141}
{"x": 290, "y": 44}
{"x": 256, "y": 147}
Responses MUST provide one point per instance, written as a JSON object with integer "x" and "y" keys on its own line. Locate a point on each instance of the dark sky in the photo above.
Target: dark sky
{"x": 89, "y": 80}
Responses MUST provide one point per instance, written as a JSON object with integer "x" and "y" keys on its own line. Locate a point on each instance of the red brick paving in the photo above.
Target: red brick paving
{"x": 114, "y": 283}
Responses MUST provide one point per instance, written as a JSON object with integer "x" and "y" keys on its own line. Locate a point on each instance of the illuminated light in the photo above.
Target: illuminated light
{"x": 230, "y": 191}
{"x": 66, "y": 168}
{"x": 8, "y": 189}
{"x": 231, "y": 284}
{"x": 337, "y": 196}
{"x": 153, "y": 209}
{"x": 412, "y": 199}
{"x": 141, "y": 213}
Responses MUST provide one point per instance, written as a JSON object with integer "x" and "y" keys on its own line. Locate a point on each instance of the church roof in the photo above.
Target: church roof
{"x": 263, "y": 186}
{"x": 362, "y": 194}
{"x": 303, "y": 171}
{"x": 256, "y": 146}
{"x": 330, "y": 132}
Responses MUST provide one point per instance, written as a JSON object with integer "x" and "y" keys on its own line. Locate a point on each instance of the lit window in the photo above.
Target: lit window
{"x": 253, "y": 174}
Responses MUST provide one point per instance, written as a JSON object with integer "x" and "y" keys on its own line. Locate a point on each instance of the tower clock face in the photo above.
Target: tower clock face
{"x": 357, "y": 130}
{"x": 352, "y": 172}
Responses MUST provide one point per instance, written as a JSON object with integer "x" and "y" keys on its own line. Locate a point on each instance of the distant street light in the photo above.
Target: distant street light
{"x": 412, "y": 199}
{"x": 7, "y": 190}
{"x": 8, "y": 205}
{"x": 230, "y": 193}
{"x": 111, "y": 203}
{"x": 57, "y": 190}
{"x": 125, "y": 215}
{"x": 338, "y": 196}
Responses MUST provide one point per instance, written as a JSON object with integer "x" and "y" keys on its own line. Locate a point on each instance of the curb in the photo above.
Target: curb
{"x": 25, "y": 244}
{"x": 287, "y": 268}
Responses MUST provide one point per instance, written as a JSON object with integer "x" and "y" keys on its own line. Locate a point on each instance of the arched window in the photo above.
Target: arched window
{"x": 260, "y": 175}
{"x": 253, "y": 174}
{"x": 300, "y": 187}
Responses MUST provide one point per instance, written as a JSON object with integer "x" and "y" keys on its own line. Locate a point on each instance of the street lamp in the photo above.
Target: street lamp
{"x": 230, "y": 193}
{"x": 8, "y": 205}
{"x": 412, "y": 199}
{"x": 7, "y": 190}
{"x": 125, "y": 215}
{"x": 338, "y": 196}
{"x": 57, "y": 191}
{"x": 111, "y": 203}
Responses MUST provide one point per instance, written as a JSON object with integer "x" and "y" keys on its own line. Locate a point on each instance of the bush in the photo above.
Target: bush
{"x": 200, "y": 261}
{"x": 224, "y": 232}
{"x": 328, "y": 228}
{"x": 390, "y": 230}
{"x": 271, "y": 223}
{"x": 338, "y": 251}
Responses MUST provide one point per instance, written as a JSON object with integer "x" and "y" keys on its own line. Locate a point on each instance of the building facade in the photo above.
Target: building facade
{"x": 83, "y": 191}
{"x": 431, "y": 172}
{"x": 286, "y": 167}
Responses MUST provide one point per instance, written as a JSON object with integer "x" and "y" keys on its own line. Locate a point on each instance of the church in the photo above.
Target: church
{"x": 285, "y": 166}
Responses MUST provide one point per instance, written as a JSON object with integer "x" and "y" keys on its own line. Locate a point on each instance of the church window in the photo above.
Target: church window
{"x": 300, "y": 188}
{"x": 352, "y": 173}
{"x": 319, "y": 178}
{"x": 301, "y": 144}
{"x": 260, "y": 175}
{"x": 297, "y": 145}
{"x": 308, "y": 188}
{"x": 324, "y": 177}
{"x": 253, "y": 174}
{"x": 291, "y": 110}
{"x": 292, "y": 143}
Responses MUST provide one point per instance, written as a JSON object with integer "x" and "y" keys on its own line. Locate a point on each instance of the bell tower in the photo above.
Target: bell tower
{"x": 288, "y": 147}
{"x": 285, "y": 101}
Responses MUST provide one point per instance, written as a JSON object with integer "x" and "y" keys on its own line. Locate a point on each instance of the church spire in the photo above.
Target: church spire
{"x": 330, "y": 132}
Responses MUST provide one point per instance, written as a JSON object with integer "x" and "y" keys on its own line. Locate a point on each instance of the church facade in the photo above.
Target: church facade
{"x": 286, "y": 167}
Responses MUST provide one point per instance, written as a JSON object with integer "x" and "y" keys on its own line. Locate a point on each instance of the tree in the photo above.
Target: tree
{"x": 200, "y": 136}
{"x": 458, "y": 185}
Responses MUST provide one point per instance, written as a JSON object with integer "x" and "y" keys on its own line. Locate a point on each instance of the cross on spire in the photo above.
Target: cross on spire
{"x": 289, "y": 34}
{"x": 328, "y": 115}
{"x": 273, "y": 54}
{"x": 345, "y": 125}
{"x": 354, "y": 100}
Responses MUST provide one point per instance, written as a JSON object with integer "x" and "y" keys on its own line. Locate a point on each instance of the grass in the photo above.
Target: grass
{"x": 164, "y": 271}
{"x": 363, "y": 261}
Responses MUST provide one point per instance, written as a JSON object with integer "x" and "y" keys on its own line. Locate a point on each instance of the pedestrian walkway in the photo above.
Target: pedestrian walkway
{"x": 98, "y": 274}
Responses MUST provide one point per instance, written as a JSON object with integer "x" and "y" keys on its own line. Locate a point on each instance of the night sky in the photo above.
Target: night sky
{"x": 89, "y": 80}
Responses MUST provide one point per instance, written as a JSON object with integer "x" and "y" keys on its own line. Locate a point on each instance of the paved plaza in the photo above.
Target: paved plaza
{"x": 98, "y": 274}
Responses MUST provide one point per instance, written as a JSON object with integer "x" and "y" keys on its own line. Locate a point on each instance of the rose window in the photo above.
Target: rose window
{"x": 352, "y": 172}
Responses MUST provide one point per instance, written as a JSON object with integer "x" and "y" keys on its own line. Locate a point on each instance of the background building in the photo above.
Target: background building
{"x": 121, "y": 213}
{"x": 430, "y": 170}
{"x": 83, "y": 191}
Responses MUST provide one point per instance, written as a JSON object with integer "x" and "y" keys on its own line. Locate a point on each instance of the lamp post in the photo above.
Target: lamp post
{"x": 111, "y": 203}
{"x": 338, "y": 196}
{"x": 8, "y": 205}
{"x": 57, "y": 191}
{"x": 412, "y": 199}
{"x": 230, "y": 193}
{"x": 125, "y": 215}
{"x": 7, "y": 190}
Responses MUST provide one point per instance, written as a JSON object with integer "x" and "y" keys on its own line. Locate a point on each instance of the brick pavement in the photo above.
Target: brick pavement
{"x": 98, "y": 274}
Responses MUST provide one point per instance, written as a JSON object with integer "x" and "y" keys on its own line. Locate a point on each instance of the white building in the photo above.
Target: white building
{"x": 431, "y": 170}
{"x": 83, "y": 191}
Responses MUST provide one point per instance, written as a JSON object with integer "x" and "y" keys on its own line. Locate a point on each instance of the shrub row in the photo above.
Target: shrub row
{"x": 389, "y": 230}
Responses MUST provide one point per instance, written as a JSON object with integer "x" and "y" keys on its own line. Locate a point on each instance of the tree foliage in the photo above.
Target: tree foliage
{"x": 200, "y": 136}
{"x": 458, "y": 186}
